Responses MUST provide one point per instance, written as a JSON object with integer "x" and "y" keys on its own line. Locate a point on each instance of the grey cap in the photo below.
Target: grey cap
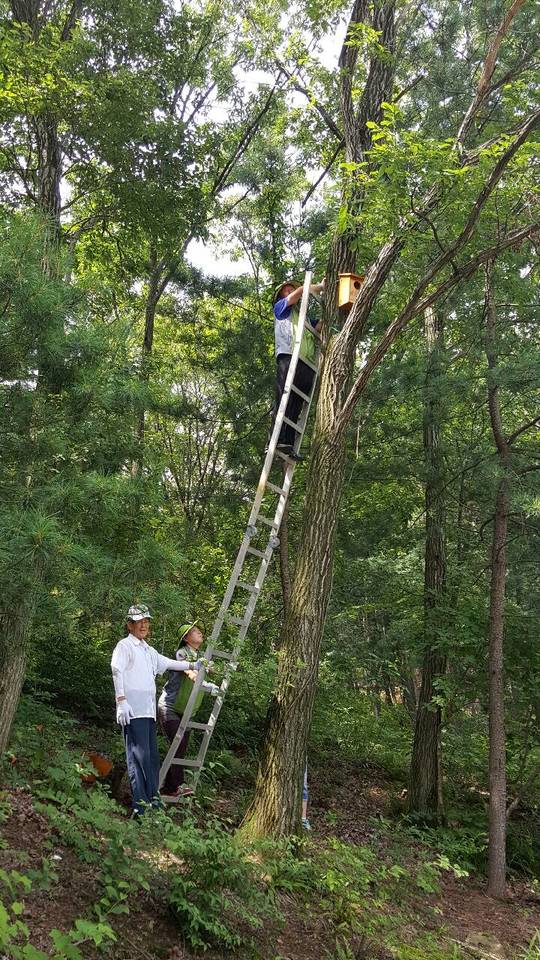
{"x": 139, "y": 611}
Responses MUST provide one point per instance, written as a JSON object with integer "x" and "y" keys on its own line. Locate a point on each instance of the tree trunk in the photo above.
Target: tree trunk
{"x": 49, "y": 170}
{"x": 497, "y": 737}
{"x": 276, "y": 805}
{"x": 14, "y": 628}
{"x": 16, "y": 623}
{"x": 426, "y": 765}
{"x": 147, "y": 348}
{"x": 284, "y": 566}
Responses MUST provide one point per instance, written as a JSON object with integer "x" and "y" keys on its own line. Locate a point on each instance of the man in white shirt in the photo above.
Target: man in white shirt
{"x": 134, "y": 667}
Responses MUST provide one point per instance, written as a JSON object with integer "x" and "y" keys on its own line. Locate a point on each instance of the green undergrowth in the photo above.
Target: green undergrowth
{"x": 376, "y": 899}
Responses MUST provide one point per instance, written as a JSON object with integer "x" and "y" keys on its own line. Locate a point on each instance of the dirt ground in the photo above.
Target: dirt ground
{"x": 346, "y": 806}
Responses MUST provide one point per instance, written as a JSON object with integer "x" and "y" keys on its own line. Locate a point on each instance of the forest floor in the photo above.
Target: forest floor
{"x": 425, "y": 913}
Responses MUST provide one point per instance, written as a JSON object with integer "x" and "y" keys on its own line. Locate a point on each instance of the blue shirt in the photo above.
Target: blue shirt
{"x": 283, "y": 327}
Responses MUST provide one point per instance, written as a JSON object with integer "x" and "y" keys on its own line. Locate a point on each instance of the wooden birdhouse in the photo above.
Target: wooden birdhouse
{"x": 349, "y": 288}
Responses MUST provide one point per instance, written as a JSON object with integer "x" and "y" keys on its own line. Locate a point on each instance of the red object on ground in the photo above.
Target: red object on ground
{"x": 102, "y": 765}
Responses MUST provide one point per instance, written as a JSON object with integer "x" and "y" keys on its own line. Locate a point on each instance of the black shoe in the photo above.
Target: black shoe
{"x": 289, "y": 452}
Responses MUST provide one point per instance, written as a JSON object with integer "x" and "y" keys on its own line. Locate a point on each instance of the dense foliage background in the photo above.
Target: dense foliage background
{"x": 136, "y": 379}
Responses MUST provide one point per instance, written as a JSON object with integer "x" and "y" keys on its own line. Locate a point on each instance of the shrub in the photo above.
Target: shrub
{"x": 213, "y": 888}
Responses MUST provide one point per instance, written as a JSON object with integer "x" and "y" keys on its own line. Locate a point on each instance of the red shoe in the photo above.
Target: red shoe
{"x": 183, "y": 791}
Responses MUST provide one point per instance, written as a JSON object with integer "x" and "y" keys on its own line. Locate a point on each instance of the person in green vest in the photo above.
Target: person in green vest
{"x": 173, "y": 701}
{"x": 286, "y": 308}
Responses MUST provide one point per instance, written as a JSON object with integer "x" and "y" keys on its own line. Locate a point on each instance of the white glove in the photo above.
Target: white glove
{"x": 214, "y": 690}
{"x": 124, "y": 713}
{"x": 203, "y": 662}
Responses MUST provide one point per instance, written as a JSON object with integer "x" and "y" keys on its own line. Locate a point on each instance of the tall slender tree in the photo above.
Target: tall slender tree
{"x": 426, "y": 762}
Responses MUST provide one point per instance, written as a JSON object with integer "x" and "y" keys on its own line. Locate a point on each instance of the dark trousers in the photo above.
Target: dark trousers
{"x": 142, "y": 762}
{"x": 169, "y": 722}
{"x": 303, "y": 379}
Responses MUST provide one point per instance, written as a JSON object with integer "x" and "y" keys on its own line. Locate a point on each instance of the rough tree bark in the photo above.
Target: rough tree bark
{"x": 15, "y": 625}
{"x": 425, "y": 794}
{"x": 497, "y": 734}
{"x": 284, "y": 562}
{"x": 277, "y": 802}
{"x": 13, "y": 647}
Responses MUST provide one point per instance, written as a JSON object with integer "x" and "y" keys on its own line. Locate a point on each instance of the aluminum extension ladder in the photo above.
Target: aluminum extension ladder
{"x": 236, "y": 586}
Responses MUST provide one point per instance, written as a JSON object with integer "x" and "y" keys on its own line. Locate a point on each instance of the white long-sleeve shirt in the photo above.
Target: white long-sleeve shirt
{"x": 134, "y": 667}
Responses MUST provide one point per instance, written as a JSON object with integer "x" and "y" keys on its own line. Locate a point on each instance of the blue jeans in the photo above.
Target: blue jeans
{"x": 142, "y": 762}
{"x": 303, "y": 379}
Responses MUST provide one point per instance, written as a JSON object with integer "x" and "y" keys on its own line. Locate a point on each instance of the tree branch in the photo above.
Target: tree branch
{"x": 374, "y": 280}
{"x": 416, "y": 306}
{"x": 494, "y": 406}
{"x": 526, "y": 426}
{"x": 326, "y": 170}
{"x": 300, "y": 88}
{"x": 488, "y": 69}
{"x": 244, "y": 142}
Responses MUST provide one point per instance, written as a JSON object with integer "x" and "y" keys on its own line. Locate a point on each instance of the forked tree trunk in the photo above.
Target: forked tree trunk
{"x": 425, "y": 794}
{"x": 276, "y": 806}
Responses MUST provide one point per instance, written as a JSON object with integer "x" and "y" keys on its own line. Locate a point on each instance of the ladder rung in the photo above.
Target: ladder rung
{"x": 275, "y": 489}
{"x": 282, "y": 456}
{"x": 301, "y": 393}
{"x": 269, "y": 523}
{"x": 281, "y": 489}
{"x": 246, "y": 586}
{"x": 292, "y": 424}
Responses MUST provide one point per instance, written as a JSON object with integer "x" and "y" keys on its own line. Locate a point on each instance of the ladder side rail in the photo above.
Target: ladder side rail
{"x": 230, "y": 669}
{"x": 284, "y": 401}
{"x": 304, "y": 416}
{"x": 186, "y": 717}
{"x": 263, "y": 568}
{"x": 218, "y": 703}
{"x": 269, "y": 455}
{"x": 261, "y": 575}
{"x": 188, "y": 712}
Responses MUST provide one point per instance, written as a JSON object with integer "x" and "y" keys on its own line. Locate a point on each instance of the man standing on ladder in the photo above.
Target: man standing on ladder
{"x": 286, "y": 304}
